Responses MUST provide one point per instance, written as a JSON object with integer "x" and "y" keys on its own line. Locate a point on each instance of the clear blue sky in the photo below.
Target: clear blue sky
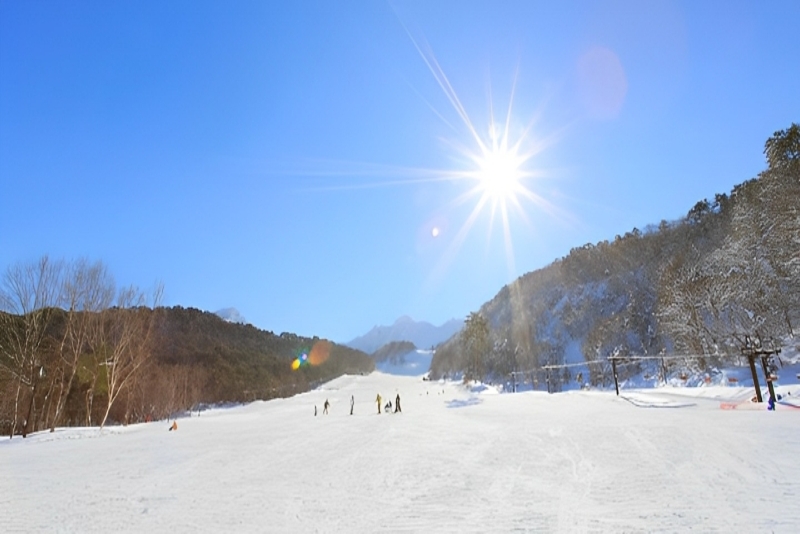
{"x": 286, "y": 158}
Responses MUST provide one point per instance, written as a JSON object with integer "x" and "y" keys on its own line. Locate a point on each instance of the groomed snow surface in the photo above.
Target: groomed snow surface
{"x": 456, "y": 459}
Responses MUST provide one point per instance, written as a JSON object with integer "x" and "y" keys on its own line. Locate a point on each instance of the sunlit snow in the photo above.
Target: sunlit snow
{"x": 455, "y": 460}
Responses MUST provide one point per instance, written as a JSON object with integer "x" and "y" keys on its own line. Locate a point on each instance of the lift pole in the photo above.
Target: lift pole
{"x": 756, "y": 349}
{"x": 768, "y": 376}
{"x": 614, "y": 372}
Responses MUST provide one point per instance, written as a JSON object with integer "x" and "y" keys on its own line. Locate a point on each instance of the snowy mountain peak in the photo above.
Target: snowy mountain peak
{"x": 421, "y": 333}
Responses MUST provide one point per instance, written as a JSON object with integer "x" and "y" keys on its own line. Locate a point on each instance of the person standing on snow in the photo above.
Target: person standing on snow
{"x": 378, "y": 400}
{"x": 325, "y": 407}
{"x": 352, "y": 403}
{"x": 397, "y": 404}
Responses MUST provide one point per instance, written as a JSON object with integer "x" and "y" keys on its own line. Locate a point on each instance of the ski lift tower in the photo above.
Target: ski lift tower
{"x": 754, "y": 348}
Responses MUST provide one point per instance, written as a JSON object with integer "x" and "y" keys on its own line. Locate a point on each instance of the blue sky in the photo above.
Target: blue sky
{"x": 292, "y": 159}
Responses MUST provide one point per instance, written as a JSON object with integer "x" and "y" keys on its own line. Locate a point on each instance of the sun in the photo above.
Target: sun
{"x": 499, "y": 172}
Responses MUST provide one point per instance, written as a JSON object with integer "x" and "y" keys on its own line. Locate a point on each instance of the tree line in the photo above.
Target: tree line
{"x": 76, "y": 349}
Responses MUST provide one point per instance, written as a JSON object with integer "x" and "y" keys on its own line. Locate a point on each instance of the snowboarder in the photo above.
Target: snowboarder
{"x": 352, "y": 403}
{"x": 397, "y": 404}
{"x": 378, "y": 399}
{"x": 174, "y": 426}
{"x": 325, "y": 407}
{"x": 388, "y": 407}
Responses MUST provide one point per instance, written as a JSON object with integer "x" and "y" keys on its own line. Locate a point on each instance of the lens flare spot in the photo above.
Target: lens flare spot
{"x": 603, "y": 83}
{"x": 300, "y": 361}
{"x": 319, "y": 353}
{"x": 435, "y": 232}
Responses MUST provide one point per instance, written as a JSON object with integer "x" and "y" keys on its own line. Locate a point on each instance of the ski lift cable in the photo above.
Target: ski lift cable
{"x": 625, "y": 360}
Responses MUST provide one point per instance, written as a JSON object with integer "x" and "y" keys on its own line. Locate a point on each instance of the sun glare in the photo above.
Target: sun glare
{"x": 495, "y": 166}
{"x": 499, "y": 172}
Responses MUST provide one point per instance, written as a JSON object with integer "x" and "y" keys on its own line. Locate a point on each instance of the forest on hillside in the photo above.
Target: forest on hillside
{"x": 694, "y": 287}
{"x": 77, "y": 351}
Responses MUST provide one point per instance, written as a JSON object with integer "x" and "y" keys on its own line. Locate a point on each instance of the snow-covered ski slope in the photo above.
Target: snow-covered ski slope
{"x": 452, "y": 461}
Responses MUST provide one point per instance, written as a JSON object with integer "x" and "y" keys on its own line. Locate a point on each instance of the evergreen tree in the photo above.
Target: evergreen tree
{"x": 475, "y": 339}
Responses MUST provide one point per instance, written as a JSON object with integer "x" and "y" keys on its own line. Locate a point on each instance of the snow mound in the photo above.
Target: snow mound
{"x": 484, "y": 389}
{"x": 463, "y": 403}
{"x": 793, "y": 402}
{"x": 652, "y": 401}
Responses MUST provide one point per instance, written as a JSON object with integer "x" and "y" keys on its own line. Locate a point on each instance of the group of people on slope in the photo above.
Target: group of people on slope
{"x": 388, "y": 407}
{"x": 378, "y": 399}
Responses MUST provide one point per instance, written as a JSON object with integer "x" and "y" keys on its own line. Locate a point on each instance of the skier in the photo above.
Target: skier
{"x": 378, "y": 400}
{"x": 397, "y": 404}
{"x": 325, "y": 407}
{"x": 315, "y": 410}
{"x": 352, "y": 403}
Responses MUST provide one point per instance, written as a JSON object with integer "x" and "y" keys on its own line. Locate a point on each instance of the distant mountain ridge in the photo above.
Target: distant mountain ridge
{"x": 420, "y": 333}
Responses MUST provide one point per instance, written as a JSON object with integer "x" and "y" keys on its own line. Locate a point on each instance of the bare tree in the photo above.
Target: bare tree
{"x": 29, "y": 294}
{"x": 125, "y": 341}
{"x": 87, "y": 290}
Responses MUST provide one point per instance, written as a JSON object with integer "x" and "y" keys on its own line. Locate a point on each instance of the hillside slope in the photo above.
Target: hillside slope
{"x": 187, "y": 357}
{"x": 693, "y": 287}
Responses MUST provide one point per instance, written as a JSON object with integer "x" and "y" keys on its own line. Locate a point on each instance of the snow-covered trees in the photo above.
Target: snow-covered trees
{"x": 694, "y": 286}
{"x": 783, "y": 148}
